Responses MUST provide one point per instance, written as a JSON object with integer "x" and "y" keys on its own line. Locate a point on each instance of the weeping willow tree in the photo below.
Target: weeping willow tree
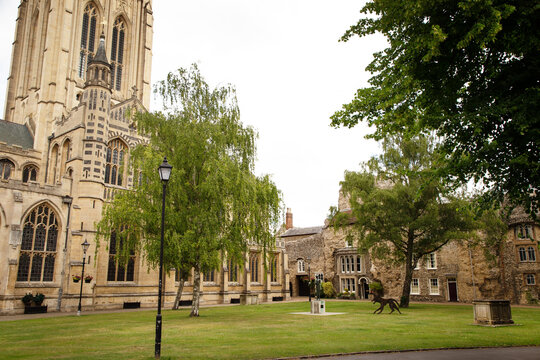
{"x": 215, "y": 205}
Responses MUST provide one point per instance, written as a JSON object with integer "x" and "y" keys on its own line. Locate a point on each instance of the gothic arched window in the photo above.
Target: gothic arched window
{"x": 88, "y": 38}
{"x": 6, "y": 168}
{"x": 115, "y": 162}
{"x": 118, "y": 271}
{"x": 274, "y": 269}
{"x": 254, "y": 267}
{"x": 53, "y": 164}
{"x": 29, "y": 173}
{"x": 117, "y": 53}
{"x": 38, "y": 247}
{"x": 233, "y": 272}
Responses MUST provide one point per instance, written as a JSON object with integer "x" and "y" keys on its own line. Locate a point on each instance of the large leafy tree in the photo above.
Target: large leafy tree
{"x": 400, "y": 209}
{"x": 215, "y": 205}
{"x": 468, "y": 70}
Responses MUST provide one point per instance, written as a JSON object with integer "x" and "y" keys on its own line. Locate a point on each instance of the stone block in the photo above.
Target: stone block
{"x": 318, "y": 306}
{"x": 492, "y": 312}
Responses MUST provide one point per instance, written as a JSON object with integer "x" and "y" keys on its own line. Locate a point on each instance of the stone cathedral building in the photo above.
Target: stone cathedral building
{"x": 77, "y": 68}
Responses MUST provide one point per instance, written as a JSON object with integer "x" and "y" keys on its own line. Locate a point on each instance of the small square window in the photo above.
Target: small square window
{"x": 530, "y": 279}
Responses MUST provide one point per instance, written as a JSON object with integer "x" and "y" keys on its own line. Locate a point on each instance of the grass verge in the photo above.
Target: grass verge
{"x": 258, "y": 332}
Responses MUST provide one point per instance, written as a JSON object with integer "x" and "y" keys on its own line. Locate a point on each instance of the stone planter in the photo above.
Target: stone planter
{"x": 492, "y": 312}
{"x": 35, "y": 309}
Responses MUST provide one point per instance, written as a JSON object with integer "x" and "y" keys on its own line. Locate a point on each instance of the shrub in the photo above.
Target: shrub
{"x": 27, "y": 299}
{"x": 530, "y": 299}
{"x": 376, "y": 287}
{"x": 328, "y": 290}
{"x": 38, "y": 299}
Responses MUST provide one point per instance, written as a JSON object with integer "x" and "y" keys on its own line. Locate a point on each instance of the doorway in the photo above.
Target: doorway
{"x": 363, "y": 288}
{"x": 452, "y": 289}
{"x": 303, "y": 285}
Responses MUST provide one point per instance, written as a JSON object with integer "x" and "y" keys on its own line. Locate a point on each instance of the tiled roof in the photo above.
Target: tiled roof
{"x": 302, "y": 231}
{"x": 16, "y": 134}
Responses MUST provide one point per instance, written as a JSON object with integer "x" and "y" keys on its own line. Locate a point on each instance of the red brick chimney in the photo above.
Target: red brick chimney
{"x": 288, "y": 219}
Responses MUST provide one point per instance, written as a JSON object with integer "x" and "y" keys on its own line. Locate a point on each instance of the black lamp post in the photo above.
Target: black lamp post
{"x": 308, "y": 260}
{"x": 164, "y": 174}
{"x": 85, "y": 246}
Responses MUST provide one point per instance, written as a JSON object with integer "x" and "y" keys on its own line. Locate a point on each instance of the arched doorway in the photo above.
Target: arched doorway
{"x": 363, "y": 288}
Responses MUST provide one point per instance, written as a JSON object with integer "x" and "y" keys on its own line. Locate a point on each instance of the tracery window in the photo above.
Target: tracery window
{"x": 274, "y": 269}
{"x": 209, "y": 276}
{"x": 530, "y": 279}
{"x": 118, "y": 271}
{"x": 29, "y": 173}
{"x": 117, "y": 53}
{"x": 38, "y": 247}
{"x": 115, "y": 162}
{"x": 254, "y": 267}
{"x": 233, "y": 272}
{"x": 6, "y": 168}
{"x": 88, "y": 38}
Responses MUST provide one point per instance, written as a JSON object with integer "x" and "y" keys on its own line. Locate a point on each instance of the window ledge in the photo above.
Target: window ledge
{"x": 26, "y": 284}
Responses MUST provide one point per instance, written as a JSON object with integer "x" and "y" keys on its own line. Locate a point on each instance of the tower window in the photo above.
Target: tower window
{"x": 115, "y": 162}
{"x": 116, "y": 270}
{"x": 88, "y": 38}
{"x": 117, "y": 53}
{"x": 29, "y": 173}
{"x": 6, "y": 168}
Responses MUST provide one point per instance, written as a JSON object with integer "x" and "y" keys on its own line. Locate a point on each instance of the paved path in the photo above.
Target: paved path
{"x": 509, "y": 353}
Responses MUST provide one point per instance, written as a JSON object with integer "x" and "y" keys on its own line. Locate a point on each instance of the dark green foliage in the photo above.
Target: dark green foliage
{"x": 400, "y": 209}
{"x": 376, "y": 287}
{"x": 38, "y": 299}
{"x": 467, "y": 70}
{"x": 27, "y": 299}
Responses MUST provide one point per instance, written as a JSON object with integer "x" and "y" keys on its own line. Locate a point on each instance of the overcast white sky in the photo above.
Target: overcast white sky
{"x": 291, "y": 75}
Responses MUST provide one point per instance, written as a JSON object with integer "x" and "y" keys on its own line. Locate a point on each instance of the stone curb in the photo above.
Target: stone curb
{"x": 397, "y": 351}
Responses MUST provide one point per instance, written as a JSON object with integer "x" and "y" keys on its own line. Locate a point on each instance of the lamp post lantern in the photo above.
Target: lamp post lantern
{"x": 164, "y": 174}
{"x": 308, "y": 260}
{"x": 85, "y": 245}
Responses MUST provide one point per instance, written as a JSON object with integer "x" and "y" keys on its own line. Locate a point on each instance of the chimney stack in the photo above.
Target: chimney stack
{"x": 288, "y": 219}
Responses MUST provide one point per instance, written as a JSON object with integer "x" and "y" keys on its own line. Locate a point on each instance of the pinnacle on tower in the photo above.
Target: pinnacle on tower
{"x": 101, "y": 55}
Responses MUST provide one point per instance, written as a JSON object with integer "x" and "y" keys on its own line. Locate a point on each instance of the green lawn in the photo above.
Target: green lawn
{"x": 263, "y": 331}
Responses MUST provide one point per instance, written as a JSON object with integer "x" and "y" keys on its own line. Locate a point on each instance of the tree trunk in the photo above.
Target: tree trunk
{"x": 179, "y": 291}
{"x": 405, "y": 294}
{"x": 196, "y": 291}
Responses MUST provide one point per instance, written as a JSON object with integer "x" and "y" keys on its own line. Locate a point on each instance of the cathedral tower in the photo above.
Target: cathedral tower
{"x": 54, "y": 43}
